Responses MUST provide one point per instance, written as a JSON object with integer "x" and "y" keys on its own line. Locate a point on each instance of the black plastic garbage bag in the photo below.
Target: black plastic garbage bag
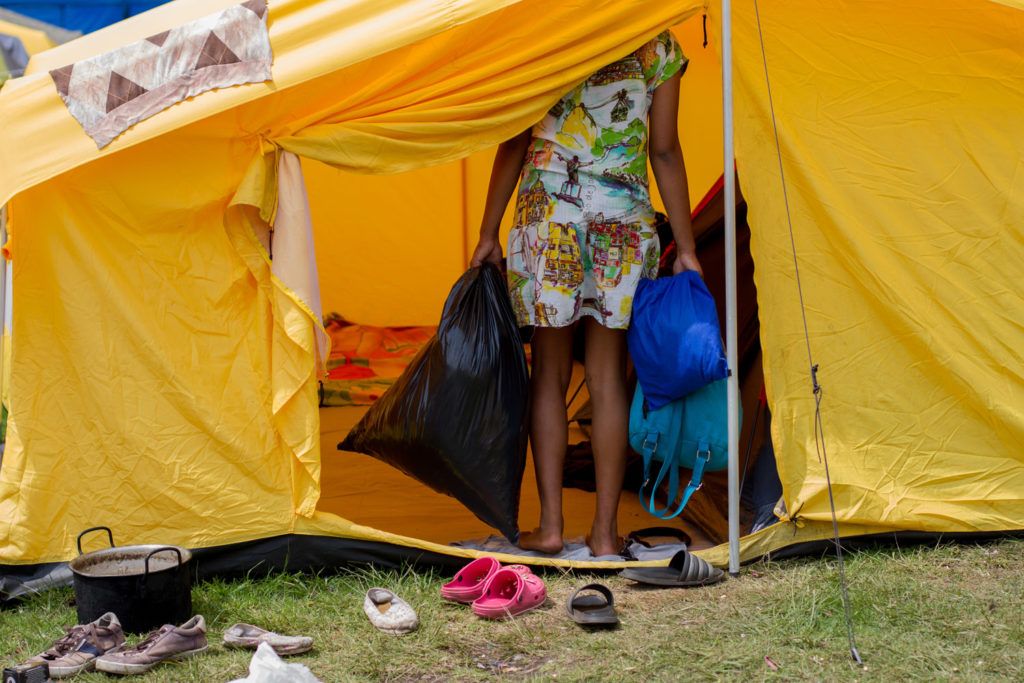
{"x": 456, "y": 419}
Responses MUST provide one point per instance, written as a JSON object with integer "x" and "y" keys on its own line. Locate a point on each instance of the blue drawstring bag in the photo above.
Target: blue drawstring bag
{"x": 674, "y": 338}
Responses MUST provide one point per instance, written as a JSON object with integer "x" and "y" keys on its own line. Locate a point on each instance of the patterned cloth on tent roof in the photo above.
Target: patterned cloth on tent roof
{"x": 111, "y": 92}
{"x": 366, "y": 360}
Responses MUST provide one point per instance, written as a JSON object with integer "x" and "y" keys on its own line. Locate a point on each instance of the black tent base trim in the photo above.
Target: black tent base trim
{"x": 316, "y": 554}
{"x": 259, "y": 558}
{"x": 255, "y": 559}
{"x": 902, "y": 539}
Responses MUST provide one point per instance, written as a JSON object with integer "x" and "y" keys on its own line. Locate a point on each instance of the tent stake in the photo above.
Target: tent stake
{"x": 729, "y": 171}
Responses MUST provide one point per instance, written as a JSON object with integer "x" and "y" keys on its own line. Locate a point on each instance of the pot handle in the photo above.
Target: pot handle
{"x": 160, "y": 550}
{"x": 110, "y": 535}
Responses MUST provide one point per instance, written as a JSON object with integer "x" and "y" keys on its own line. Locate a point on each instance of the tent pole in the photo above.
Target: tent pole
{"x": 729, "y": 169}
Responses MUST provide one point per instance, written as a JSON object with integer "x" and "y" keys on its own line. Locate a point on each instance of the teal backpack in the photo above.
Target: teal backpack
{"x": 692, "y": 432}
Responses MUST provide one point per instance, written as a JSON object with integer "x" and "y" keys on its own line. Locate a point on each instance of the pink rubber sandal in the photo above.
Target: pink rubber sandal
{"x": 510, "y": 592}
{"x": 518, "y": 568}
{"x": 469, "y": 583}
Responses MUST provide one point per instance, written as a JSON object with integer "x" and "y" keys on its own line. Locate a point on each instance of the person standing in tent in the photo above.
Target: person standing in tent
{"x": 581, "y": 258}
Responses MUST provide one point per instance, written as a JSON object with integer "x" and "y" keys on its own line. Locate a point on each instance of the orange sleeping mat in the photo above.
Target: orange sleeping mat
{"x": 366, "y": 360}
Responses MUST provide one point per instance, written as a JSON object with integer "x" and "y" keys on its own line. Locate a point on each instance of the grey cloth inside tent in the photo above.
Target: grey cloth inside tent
{"x": 575, "y": 549}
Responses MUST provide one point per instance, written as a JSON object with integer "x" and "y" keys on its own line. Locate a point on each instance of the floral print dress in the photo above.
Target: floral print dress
{"x": 584, "y": 232}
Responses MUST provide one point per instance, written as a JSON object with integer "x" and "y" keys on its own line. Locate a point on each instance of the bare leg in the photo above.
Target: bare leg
{"x": 549, "y": 432}
{"x": 606, "y": 381}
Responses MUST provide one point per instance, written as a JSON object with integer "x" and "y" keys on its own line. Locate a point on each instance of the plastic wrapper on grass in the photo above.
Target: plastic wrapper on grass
{"x": 267, "y": 667}
{"x": 456, "y": 419}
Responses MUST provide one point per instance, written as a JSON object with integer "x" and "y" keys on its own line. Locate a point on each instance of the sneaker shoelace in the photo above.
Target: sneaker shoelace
{"x": 71, "y": 640}
{"x": 149, "y": 640}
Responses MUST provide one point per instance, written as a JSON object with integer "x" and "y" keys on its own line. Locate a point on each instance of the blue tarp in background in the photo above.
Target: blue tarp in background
{"x": 80, "y": 15}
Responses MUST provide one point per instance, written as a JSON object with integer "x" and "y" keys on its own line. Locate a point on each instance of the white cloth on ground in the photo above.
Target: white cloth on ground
{"x": 267, "y": 667}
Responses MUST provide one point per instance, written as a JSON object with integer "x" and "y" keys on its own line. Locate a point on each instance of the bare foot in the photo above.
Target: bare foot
{"x": 605, "y": 546}
{"x": 549, "y": 542}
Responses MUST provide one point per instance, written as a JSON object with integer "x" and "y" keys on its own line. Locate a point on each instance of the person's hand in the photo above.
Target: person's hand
{"x": 686, "y": 260}
{"x": 488, "y": 250}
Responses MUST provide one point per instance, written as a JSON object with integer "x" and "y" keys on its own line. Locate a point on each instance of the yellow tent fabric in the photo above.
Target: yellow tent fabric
{"x": 901, "y": 157}
{"x": 160, "y": 370}
{"x": 439, "y": 209}
{"x": 34, "y": 41}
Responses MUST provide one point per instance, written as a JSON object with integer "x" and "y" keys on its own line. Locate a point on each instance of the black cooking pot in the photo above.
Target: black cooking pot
{"x": 146, "y": 586}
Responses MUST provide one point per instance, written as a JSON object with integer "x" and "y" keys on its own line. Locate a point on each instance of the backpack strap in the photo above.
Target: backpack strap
{"x": 696, "y": 479}
{"x": 668, "y": 468}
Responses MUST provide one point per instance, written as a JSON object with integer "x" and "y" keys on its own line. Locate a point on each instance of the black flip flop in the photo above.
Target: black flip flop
{"x": 683, "y": 571}
{"x": 640, "y": 535}
{"x": 592, "y": 610}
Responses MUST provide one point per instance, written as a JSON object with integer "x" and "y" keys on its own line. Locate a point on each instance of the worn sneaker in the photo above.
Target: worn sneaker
{"x": 78, "y": 650}
{"x": 249, "y": 637}
{"x": 166, "y": 644}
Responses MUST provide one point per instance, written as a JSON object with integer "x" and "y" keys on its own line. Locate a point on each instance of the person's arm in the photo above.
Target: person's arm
{"x": 670, "y": 172}
{"x": 508, "y": 164}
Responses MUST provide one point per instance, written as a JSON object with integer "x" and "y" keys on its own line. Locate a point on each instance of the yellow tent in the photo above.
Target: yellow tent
{"x": 34, "y": 40}
{"x": 35, "y": 36}
{"x": 29, "y": 39}
{"x": 165, "y": 368}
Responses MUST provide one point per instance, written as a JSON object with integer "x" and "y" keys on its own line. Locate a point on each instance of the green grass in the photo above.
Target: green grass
{"x": 948, "y": 613}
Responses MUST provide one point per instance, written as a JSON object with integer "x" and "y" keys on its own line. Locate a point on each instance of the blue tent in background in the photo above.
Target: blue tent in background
{"x": 81, "y": 15}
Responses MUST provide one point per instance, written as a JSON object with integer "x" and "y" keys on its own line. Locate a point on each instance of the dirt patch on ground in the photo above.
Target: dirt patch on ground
{"x": 497, "y": 660}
